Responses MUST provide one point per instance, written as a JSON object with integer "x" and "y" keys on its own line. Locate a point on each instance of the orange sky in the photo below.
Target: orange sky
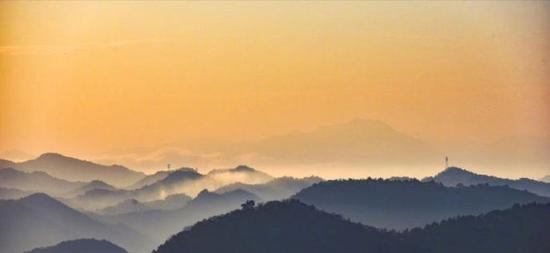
{"x": 85, "y": 78}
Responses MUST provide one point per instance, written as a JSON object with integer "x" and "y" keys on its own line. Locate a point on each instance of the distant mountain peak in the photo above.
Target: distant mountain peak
{"x": 181, "y": 174}
{"x": 97, "y": 182}
{"x": 243, "y": 168}
{"x": 240, "y": 168}
{"x": 40, "y": 198}
{"x": 238, "y": 192}
{"x": 76, "y": 169}
{"x": 456, "y": 170}
{"x": 189, "y": 169}
{"x": 51, "y": 154}
{"x": 259, "y": 176}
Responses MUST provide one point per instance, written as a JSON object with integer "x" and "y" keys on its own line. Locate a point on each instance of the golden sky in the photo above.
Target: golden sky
{"x": 88, "y": 77}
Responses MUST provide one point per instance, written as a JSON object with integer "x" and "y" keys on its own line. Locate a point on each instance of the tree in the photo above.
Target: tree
{"x": 248, "y": 204}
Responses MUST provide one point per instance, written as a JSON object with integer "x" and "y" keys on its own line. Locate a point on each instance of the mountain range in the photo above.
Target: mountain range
{"x": 291, "y": 226}
{"x": 140, "y": 214}
{"x": 73, "y": 169}
{"x": 184, "y": 180}
{"x": 453, "y": 176}
{"x": 36, "y": 181}
{"x": 405, "y": 204}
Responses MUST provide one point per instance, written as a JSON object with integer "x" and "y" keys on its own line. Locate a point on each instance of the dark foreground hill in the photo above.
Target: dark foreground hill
{"x": 39, "y": 220}
{"x": 81, "y": 246}
{"x": 516, "y": 230}
{"x": 411, "y": 203}
{"x": 453, "y": 176}
{"x": 291, "y": 226}
{"x": 160, "y": 224}
{"x": 288, "y": 226}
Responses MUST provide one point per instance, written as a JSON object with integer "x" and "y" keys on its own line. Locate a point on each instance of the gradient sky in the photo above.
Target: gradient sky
{"x": 85, "y": 78}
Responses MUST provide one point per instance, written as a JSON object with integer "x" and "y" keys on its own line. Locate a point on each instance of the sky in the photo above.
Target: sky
{"x": 92, "y": 79}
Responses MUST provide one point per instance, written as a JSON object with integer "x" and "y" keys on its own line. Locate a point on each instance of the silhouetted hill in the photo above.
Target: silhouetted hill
{"x": 39, "y": 220}
{"x": 276, "y": 189}
{"x": 159, "y": 224}
{"x": 81, "y": 246}
{"x": 516, "y": 230}
{"x": 241, "y": 173}
{"x": 96, "y": 184}
{"x": 291, "y": 226}
{"x": 288, "y": 226}
{"x": 206, "y": 199}
{"x": 453, "y": 176}
{"x": 80, "y": 170}
{"x": 11, "y": 193}
{"x": 35, "y": 182}
{"x": 183, "y": 180}
{"x": 150, "y": 179}
{"x": 411, "y": 203}
{"x": 182, "y": 174}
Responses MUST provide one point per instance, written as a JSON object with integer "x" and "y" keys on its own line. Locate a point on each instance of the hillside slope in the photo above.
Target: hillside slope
{"x": 453, "y": 176}
{"x": 411, "y": 203}
{"x": 39, "y": 220}
{"x": 291, "y": 226}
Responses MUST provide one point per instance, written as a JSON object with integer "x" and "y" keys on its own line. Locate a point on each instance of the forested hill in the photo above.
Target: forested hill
{"x": 294, "y": 227}
{"x": 288, "y": 226}
{"x": 396, "y": 204}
